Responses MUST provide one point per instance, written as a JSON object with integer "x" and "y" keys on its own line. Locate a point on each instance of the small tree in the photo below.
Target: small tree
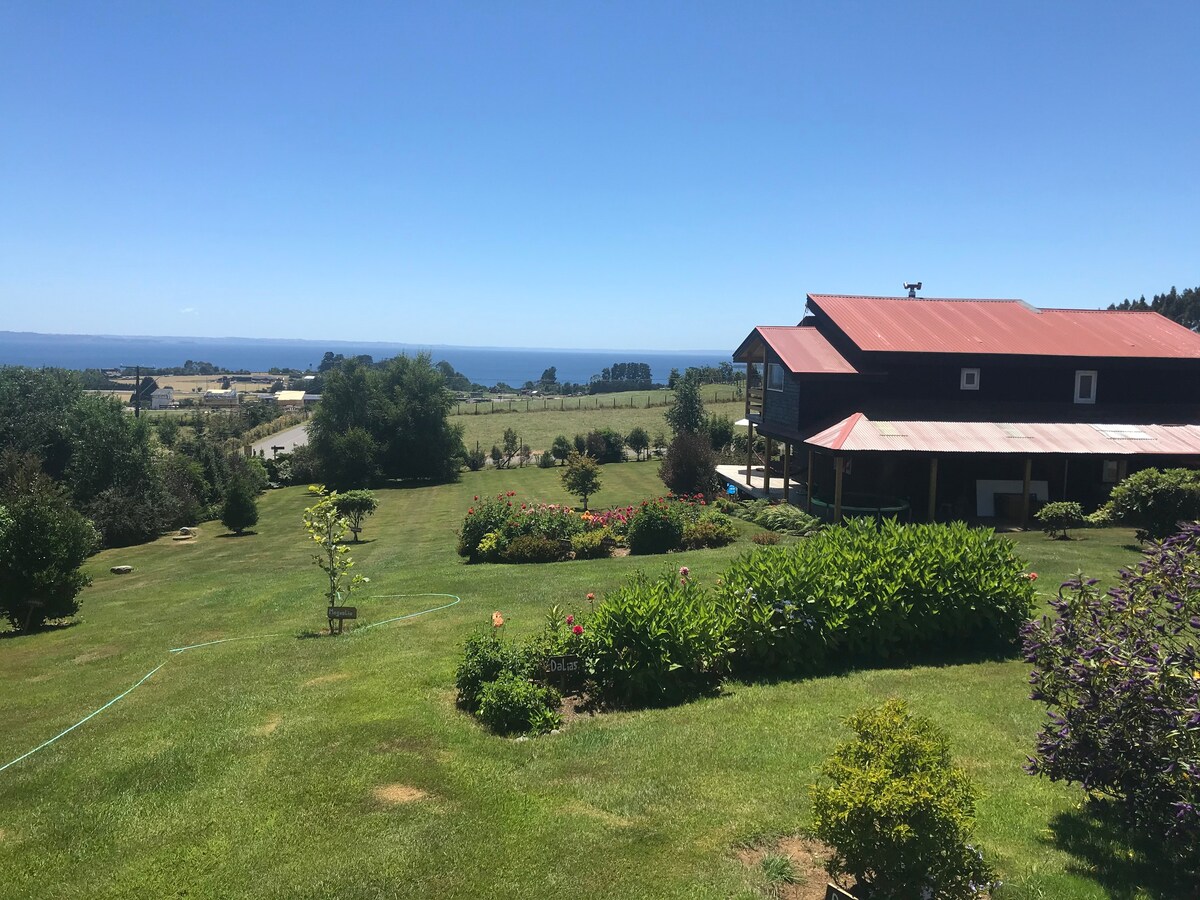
{"x": 686, "y": 413}
{"x": 689, "y": 466}
{"x": 581, "y": 476}
{"x": 1057, "y": 517}
{"x": 327, "y": 527}
{"x": 239, "y": 510}
{"x": 561, "y": 448}
{"x": 355, "y": 506}
{"x": 43, "y": 542}
{"x": 897, "y": 812}
{"x": 638, "y": 440}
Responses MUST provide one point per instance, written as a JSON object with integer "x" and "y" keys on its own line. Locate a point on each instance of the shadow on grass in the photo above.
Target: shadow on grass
{"x": 1134, "y": 548}
{"x": 56, "y": 626}
{"x": 230, "y": 534}
{"x": 1125, "y": 865}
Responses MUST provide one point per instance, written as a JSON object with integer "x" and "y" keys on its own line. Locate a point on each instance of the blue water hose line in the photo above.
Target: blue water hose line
{"x": 454, "y": 600}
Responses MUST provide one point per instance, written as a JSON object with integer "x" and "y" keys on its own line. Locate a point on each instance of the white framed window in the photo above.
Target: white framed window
{"x": 968, "y": 379}
{"x": 774, "y": 377}
{"x": 1085, "y": 386}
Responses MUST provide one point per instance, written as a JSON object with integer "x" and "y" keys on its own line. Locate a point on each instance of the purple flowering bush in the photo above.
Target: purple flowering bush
{"x": 1120, "y": 676}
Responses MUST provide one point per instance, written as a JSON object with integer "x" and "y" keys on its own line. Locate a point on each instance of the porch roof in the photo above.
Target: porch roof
{"x": 857, "y": 432}
{"x": 802, "y": 348}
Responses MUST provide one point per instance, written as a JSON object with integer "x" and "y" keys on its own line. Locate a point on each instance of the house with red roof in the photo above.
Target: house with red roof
{"x": 937, "y": 409}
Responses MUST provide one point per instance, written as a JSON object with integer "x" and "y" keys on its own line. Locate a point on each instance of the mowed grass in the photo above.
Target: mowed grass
{"x": 286, "y": 765}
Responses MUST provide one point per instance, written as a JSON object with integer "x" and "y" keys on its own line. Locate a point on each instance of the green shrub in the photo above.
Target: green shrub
{"x": 712, "y": 529}
{"x": 533, "y": 548}
{"x": 1156, "y": 502}
{"x": 605, "y": 445}
{"x": 787, "y": 519}
{"x": 512, "y": 703}
{"x": 485, "y": 658}
{"x": 1057, "y": 517}
{"x": 546, "y": 460}
{"x": 591, "y": 544}
{"x": 1102, "y": 517}
{"x": 897, "y": 812}
{"x": 867, "y": 593}
{"x": 655, "y": 528}
{"x": 483, "y": 517}
{"x": 657, "y": 641}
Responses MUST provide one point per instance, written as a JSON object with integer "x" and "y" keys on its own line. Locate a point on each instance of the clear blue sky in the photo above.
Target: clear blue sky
{"x": 599, "y": 174}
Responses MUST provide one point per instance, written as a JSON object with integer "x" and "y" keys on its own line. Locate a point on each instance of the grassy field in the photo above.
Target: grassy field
{"x": 538, "y": 426}
{"x": 285, "y": 765}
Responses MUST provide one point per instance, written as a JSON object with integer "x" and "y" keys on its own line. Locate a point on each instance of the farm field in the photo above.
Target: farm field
{"x": 285, "y": 764}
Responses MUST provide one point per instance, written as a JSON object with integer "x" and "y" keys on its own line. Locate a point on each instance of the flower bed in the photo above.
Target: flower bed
{"x": 505, "y": 529}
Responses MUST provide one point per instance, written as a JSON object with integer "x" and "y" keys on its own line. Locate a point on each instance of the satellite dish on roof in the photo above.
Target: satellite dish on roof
{"x": 912, "y": 287}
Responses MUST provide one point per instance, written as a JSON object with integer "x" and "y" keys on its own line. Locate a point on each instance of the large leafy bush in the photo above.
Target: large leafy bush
{"x": 1120, "y": 676}
{"x": 512, "y": 703}
{"x": 485, "y": 658}
{"x": 1056, "y": 518}
{"x": 869, "y": 593}
{"x": 1155, "y": 502}
{"x": 657, "y": 641}
{"x": 897, "y": 812}
{"x": 655, "y": 527}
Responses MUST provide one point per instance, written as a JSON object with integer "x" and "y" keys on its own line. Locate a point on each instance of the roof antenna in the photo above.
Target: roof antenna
{"x": 912, "y": 288}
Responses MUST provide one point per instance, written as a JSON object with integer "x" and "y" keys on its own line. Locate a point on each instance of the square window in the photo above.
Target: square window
{"x": 774, "y": 377}
{"x": 1109, "y": 475}
{"x": 1085, "y": 386}
{"x": 968, "y": 380}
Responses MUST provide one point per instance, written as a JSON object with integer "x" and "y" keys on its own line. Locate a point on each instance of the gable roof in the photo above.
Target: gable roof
{"x": 1003, "y": 327}
{"x": 802, "y": 348}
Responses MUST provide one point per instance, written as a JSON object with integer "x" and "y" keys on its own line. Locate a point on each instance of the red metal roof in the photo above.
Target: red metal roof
{"x": 804, "y": 349}
{"x": 857, "y": 432}
{"x": 1006, "y": 327}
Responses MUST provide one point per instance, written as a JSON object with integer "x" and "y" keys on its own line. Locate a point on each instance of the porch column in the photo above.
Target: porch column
{"x": 1025, "y": 492}
{"x": 749, "y": 452}
{"x": 787, "y": 470}
{"x": 808, "y": 487}
{"x": 839, "y": 465}
{"x": 933, "y": 463}
{"x": 767, "y": 470}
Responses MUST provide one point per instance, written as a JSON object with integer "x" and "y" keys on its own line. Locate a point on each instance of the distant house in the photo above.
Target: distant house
{"x": 218, "y": 398}
{"x": 967, "y": 408}
{"x": 290, "y": 399}
{"x": 162, "y": 398}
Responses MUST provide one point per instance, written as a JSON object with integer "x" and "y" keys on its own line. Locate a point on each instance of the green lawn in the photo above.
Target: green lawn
{"x": 251, "y": 768}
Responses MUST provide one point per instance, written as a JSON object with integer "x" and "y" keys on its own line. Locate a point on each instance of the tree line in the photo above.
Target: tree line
{"x": 1182, "y": 307}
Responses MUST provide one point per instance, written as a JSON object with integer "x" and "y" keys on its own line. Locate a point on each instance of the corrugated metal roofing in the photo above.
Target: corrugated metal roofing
{"x": 804, "y": 349}
{"x": 857, "y": 432}
{"x": 1005, "y": 327}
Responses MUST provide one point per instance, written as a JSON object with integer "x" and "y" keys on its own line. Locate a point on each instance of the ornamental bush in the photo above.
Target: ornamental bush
{"x": 897, "y": 812}
{"x": 655, "y": 527}
{"x": 485, "y": 658}
{"x": 872, "y": 593}
{"x": 657, "y": 641}
{"x": 592, "y": 544}
{"x": 1059, "y": 516}
{"x": 712, "y": 529}
{"x": 512, "y": 703}
{"x": 1156, "y": 502}
{"x": 1120, "y": 677}
{"x": 533, "y": 548}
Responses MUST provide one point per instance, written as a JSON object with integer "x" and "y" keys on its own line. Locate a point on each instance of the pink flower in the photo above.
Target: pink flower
{"x": 578, "y": 629}
{"x": 683, "y": 572}
{"x": 476, "y": 498}
{"x": 1033, "y": 576}
{"x": 570, "y": 620}
{"x": 591, "y": 597}
{"x": 471, "y": 511}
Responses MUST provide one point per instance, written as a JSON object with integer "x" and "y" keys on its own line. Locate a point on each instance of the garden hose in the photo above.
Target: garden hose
{"x": 455, "y": 600}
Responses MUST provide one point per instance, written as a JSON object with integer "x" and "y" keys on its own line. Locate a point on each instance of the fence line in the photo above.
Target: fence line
{"x": 571, "y": 404}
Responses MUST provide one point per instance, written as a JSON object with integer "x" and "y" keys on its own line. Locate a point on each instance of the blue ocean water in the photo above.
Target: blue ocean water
{"x": 484, "y": 365}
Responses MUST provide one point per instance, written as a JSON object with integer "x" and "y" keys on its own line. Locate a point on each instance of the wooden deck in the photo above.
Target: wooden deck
{"x": 752, "y": 484}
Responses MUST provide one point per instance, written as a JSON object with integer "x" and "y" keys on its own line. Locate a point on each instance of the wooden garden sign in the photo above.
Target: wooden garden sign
{"x": 340, "y": 614}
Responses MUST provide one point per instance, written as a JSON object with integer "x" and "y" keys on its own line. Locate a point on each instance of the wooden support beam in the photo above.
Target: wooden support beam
{"x": 749, "y": 452}
{"x": 767, "y": 469}
{"x": 839, "y": 465}
{"x": 1025, "y": 492}
{"x": 933, "y": 466}
{"x": 808, "y": 487}
{"x": 787, "y": 470}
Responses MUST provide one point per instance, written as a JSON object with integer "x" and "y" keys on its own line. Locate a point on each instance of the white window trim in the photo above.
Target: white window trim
{"x": 964, "y": 381}
{"x": 771, "y": 369}
{"x": 1079, "y": 375}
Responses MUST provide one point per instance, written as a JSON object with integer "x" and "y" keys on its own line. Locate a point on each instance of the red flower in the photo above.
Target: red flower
{"x": 591, "y": 597}
{"x": 476, "y": 498}
{"x": 1033, "y": 576}
{"x": 578, "y": 629}
{"x": 570, "y": 620}
{"x": 471, "y": 511}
